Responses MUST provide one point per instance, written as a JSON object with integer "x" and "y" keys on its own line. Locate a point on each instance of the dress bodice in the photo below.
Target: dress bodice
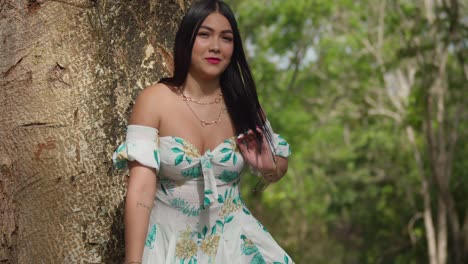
{"x": 183, "y": 173}
{"x": 181, "y": 163}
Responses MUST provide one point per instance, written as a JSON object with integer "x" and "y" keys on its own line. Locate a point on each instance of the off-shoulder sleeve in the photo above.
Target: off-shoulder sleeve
{"x": 141, "y": 144}
{"x": 280, "y": 145}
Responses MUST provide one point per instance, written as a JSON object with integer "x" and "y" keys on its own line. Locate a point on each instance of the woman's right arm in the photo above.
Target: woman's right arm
{"x": 138, "y": 203}
{"x": 142, "y": 181}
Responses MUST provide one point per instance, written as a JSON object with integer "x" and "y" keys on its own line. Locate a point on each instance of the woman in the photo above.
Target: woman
{"x": 182, "y": 149}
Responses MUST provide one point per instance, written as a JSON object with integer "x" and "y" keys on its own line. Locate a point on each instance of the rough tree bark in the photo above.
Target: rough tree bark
{"x": 70, "y": 70}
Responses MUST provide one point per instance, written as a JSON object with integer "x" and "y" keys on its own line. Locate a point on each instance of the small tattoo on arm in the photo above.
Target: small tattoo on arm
{"x": 140, "y": 204}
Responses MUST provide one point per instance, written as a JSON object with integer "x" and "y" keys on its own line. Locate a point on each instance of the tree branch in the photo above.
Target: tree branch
{"x": 428, "y": 222}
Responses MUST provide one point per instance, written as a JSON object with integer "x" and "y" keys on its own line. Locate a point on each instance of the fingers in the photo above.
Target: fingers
{"x": 247, "y": 140}
{"x": 260, "y": 131}
{"x": 251, "y": 140}
{"x": 242, "y": 144}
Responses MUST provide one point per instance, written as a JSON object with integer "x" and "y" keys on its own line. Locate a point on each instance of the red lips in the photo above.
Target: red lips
{"x": 213, "y": 60}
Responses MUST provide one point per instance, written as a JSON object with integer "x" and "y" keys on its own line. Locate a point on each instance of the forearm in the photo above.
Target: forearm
{"x": 138, "y": 205}
{"x": 137, "y": 211}
{"x": 282, "y": 164}
{"x": 274, "y": 170}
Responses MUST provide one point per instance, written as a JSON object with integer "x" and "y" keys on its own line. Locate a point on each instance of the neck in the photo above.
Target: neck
{"x": 200, "y": 88}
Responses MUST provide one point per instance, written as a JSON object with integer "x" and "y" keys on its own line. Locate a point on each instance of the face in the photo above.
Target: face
{"x": 213, "y": 47}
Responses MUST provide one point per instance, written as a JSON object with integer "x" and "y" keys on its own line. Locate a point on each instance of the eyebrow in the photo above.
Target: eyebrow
{"x": 211, "y": 29}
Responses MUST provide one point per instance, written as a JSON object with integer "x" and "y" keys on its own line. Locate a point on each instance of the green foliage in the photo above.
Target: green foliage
{"x": 323, "y": 68}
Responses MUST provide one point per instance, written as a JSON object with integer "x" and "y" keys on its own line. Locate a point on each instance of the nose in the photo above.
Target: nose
{"x": 214, "y": 45}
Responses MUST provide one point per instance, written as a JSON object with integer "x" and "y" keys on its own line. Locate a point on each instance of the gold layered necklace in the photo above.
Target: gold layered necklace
{"x": 217, "y": 100}
{"x": 188, "y": 98}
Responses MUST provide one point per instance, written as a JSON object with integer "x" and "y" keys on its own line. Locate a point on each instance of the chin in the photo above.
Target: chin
{"x": 209, "y": 72}
{"x": 213, "y": 74}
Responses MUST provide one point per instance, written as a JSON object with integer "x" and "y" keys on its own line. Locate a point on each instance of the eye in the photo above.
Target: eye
{"x": 203, "y": 34}
{"x": 228, "y": 38}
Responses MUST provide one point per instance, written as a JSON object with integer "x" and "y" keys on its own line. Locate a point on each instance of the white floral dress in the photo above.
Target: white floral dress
{"x": 198, "y": 215}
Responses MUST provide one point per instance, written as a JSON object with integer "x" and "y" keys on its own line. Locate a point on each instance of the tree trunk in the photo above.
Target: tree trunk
{"x": 70, "y": 70}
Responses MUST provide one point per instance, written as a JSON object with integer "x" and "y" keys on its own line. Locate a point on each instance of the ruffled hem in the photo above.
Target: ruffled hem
{"x": 243, "y": 241}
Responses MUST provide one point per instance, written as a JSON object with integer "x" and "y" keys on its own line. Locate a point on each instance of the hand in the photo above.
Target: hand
{"x": 262, "y": 161}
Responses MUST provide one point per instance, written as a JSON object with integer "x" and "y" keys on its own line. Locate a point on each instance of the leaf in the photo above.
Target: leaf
{"x": 193, "y": 172}
{"x": 228, "y": 176}
{"x": 179, "y": 140}
{"x": 283, "y": 143}
{"x": 286, "y": 259}
{"x": 229, "y": 218}
{"x": 246, "y": 211}
{"x": 151, "y": 237}
{"x": 121, "y": 164}
{"x": 258, "y": 259}
{"x": 179, "y": 159}
{"x": 163, "y": 189}
{"x": 213, "y": 230}
{"x": 218, "y": 222}
{"x": 226, "y": 158}
{"x": 177, "y": 150}
{"x": 156, "y": 156}
{"x": 249, "y": 249}
{"x": 234, "y": 159}
{"x": 188, "y": 159}
{"x": 121, "y": 148}
{"x": 220, "y": 198}
{"x": 208, "y": 192}
{"x": 184, "y": 207}
{"x": 205, "y": 229}
{"x": 225, "y": 150}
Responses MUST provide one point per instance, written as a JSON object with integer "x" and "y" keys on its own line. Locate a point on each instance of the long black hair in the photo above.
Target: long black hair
{"x": 237, "y": 84}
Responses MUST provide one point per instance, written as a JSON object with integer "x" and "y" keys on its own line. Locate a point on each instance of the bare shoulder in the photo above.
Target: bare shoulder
{"x": 150, "y": 104}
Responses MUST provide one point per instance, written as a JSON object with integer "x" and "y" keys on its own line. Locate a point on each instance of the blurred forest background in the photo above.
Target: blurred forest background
{"x": 372, "y": 97}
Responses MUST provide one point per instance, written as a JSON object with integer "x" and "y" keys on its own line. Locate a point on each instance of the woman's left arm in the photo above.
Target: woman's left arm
{"x": 272, "y": 167}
